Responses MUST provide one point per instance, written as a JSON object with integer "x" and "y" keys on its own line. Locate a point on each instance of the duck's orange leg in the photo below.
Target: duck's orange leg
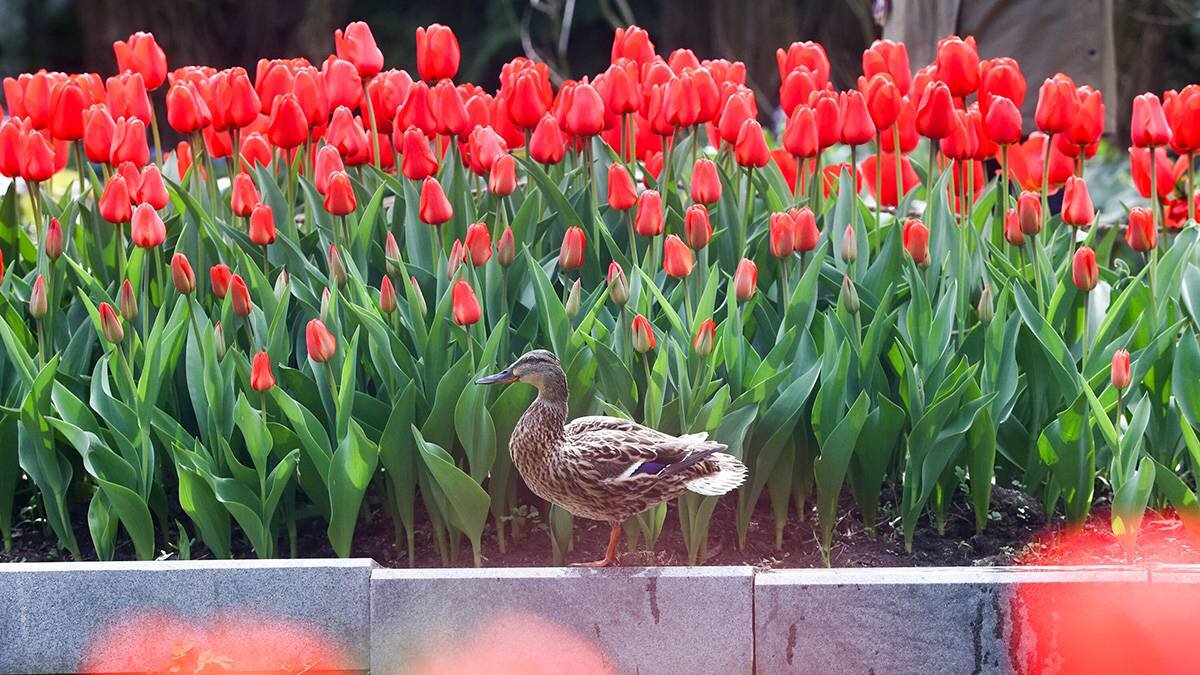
{"x": 610, "y": 558}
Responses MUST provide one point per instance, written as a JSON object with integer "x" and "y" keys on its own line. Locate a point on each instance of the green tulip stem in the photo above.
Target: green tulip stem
{"x": 816, "y": 186}
{"x": 687, "y": 303}
{"x": 1191, "y": 187}
{"x": 879, "y": 180}
{"x": 333, "y": 388}
{"x": 41, "y": 344}
{"x": 1083, "y": 359}
{"x": 747, "y": 209}
{"x": 1046, "y": 178}
{"x": 154, "y": 131}
{"x": 783, "y": 281}
{"x": 930, "y": 174}
{"x": 1120, "y": 412}
{"x": 145, "y": 272}
{"x": 899, "y": 166}
{"x": 371, "y": 120}
{"x": 646, "y": 368}
{"x": 695, "y": 146}
{"x": 1037, "y": 274}
{"x": 799, "y": 186}
{"x": 1004, "y": 190}
{"x": 122, "y": 259}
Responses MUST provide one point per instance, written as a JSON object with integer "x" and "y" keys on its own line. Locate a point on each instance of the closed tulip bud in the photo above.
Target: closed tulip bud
{"x": 262, "y": 225}
{"x": 219, "y": 340}
{"x": 37, "y": 298}
{"x": 261, "y": 377}
{"x": 618, "y": 286}
{"x": 857, "y": 127}
{"x": 115, "y": 202}
{"x": 287, "y": 127}
{"x": 506, "y": 248}
{"x": 503, "y": 180}
{"x": 986, "y": 309}
{"x": 458, "y": 254}
{"x": 417, "y": 159}
{"x": 219, "y": 276}
{"x": 849, "y": 295}
{"x": 705, "y": 338}
{"x": 1121, "y": 375}
{"x": 420, "y": 297}
{"x": 1029, "y": 212}
{"x": 1077, "y": 209}
{"x": 186, "y": 111}
{"x": 649, "y": 219}
{"x": 571, "y": 306}
{"x": 147, "y": 229}
{"x": 574, "y": 244}
{"x": 182, "y": 275}
{"x": 127, "y": 301}
{"x": 110, "y": 324}
{"x": 478, "y": 244}
{"x": 434, "y": 208}
{"x": 1141, "y": 235}
{"x": 66, "y": 111}
{"x": 782, "y": 235}
{"x": 677, "y": 257}
{"x": 1002, "y": 124}
{"x": 745, "y": 280}
{"x": 697, "y": 226}
{"x": 339, "y": 197}
{"x": 357, "y": 45}
{"x": 706, "y": 184}
{"x": 643, "y": 335}
{"x": 281, "y": 285}
{"x": 98, "y": 129}
{"x": 547, "y": 144}
{"x": 1148, "y": 126}
{"x": 1085, "y": 273}
{"x": 751, "y": 149}
{"x": 585, "y": 114}
{"x": 916, "y": 240}
{"x": 337, "y": 268}
{"x": 622, "y": 194}
{"x": 243, "y": 196}
{"x": 936, "y": 117}
{"x": 141, "y": 54}
{"x": 438, "y": 53}
{"x": 242, "y": 305}
{"x": 54, "y": 240}
{"x": 153, "y": 190}
{"x": 1057, "y": 104}
{"x": 849, "y": 245}
{"x": 464, "y": 303}
{"x": 391, "y": 253}
{"x": 321, "y": 343}
{"x": 1012, "y": 228}
{"x": 387, "y": 296}
{"x": 804, "y": 222}
{"x": 800, "y": 136}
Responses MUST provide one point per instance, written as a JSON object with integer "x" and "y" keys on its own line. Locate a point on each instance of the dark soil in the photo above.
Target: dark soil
{"x": 1017, "y": 533}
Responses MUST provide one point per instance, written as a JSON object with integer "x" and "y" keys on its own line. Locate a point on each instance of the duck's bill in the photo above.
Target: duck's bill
{"x": 503, "y": 377}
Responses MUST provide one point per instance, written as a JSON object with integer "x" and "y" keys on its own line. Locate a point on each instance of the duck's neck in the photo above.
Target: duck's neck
{"x": 540, "y": 431}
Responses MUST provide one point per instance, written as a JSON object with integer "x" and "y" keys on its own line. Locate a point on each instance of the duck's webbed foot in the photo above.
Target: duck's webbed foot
{"x": 610, "y": 557}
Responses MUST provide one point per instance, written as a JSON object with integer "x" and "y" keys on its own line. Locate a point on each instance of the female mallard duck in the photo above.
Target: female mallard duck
{"x": 605, "y": 468}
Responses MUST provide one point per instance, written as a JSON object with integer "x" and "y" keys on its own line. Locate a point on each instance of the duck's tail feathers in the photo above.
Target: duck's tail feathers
{"x": 730, "y": 474}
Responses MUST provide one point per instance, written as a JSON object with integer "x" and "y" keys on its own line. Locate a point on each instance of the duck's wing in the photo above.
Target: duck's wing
{"x": 617, "y": 449}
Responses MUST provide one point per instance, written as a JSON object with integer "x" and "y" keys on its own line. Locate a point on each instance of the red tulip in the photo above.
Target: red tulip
{"x": 584, "y": 113}
{"x": 1168, "y": 172}
{"x": 547, "y": 145}
{"x": 38, "y": 304}
{"x": 618, "y": 286}
{"x": 618, "y": 86}
{"x": 622, "y": 194}
{"x": 478, "y": 244}
{"x": 288, "y": 127}
{"x": 677, "y": 257}
{"x": 357, "y": 45}
{"x": 261, "y": 377}
{"x": 1088, "y": 125}
{"x": 182, "y": 275}
{"x": 418, "y": 161}
{"x": 141, "y": 54}
{"x": 706, "y": 183}
{"x": 751, "y": 147}
{"x": 506, "y": 248}
{"x": 219, "y": 276}
{"x": 958, "y": 64}
{"x": 857, "y": 127}
{"x": 1025, "y": 161}
{"x": 883, "y": 100}
{"x": 887, "y": 193}
{"x": 1077, "y": 209}
{"x": 642, "y": 337}
{"x": 11, "y": 153}
{"x": 1057, "y": 105}
{"x": 1121, "y": 376}
{"x": 346, "y": 134}
{"x": 889, "y": 58}
{"x": 705, "y": 338}
{"x": 1148, "y": 127}
{"x": 321, "y": 343}
{"x": 115, "y": 202}
{"x": 632, "y": 43}
{"x": 1000, "y": 77}
{"x": 1003, "y": 121}
{"x": 483, "y": 147}
{"x": 1084, "y": 271}
{"x": 745, "y": 280}
{"x": 242, "y": 305}
{"x": 936, "y": 117}
{"x": 127, "y": 301}
{"x": 129, "y": 143}
{"x": 98, "y": 128}
{"x": 126, "y": 97}
{"x": 1141, "y": 235}
{"x": 1012, "y": 228}
{"x": 800, "y": 133}
{"x": 916, "y": 240}
{"x": 243, "y": 196}
{"x": 574, "y": 244}
{"x": 438, "y": 53}
{"x": 66, "y": 111}
{"x": 183, "y": 160}
{"x": 450, "y": 113}
{"x": 262, "y": 225}
{"x": 697, "y": 227}
{"x": 110, "y": 324}
{"x": 238, "y": 102}
{"x": 906, "y": 122}
{"x": 530, "y": 97}
{"x": 147, "y": 229}
{"x": 38, "y": 153}
{"x": 255, "y": 151}
{"x": 810, "y": 55}
{"x": 417, "y": 111}
{"x": 1029, "y": 213}
{"x": 649, "y": 219}
{"x": 434, "y": 208}
{"x": 53, "y": 244}
{"x": 804, "y": 225}
{"x": 153, "y": 190}
{"x": 339, "y": 196}
{"x": 738, "y": 108}
{"x": 464, "y": 303}
{"x": 186, "y": 111}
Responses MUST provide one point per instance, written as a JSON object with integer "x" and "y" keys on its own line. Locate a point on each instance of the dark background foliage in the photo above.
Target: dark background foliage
{"x": 1156, "y": 39}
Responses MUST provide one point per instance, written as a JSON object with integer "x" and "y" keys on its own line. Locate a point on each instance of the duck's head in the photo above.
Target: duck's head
{"x": 538, "y": 367}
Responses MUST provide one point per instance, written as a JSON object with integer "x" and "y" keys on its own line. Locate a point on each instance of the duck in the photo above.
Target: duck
{"x": 605, "y": 468}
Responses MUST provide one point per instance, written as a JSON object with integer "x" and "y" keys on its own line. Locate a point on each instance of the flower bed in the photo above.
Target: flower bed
{"x": 242, "y": 341}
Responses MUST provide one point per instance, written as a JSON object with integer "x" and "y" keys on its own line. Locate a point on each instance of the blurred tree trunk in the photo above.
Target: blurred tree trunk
{"x": 220, "y": 33}
{"x": 752, "y": 31}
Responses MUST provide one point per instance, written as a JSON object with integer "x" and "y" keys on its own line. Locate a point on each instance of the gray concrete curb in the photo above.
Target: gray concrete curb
{"x": 352, "y": 616}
